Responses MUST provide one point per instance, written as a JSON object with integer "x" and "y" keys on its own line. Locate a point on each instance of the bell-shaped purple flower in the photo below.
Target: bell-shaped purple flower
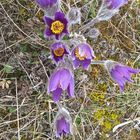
{"x": 61, "y": 80}
{"x": 58, "y": 51}
{"x": 62, "y": 123}
{"x": 82, "y": 55}
{"x": 57, "y": 26}
{"x": 120, "y": 73}
{"x": 115, "y": 4}
{"x": 46, "y": 3}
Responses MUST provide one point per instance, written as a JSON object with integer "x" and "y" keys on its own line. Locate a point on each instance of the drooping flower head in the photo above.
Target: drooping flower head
{"x": 109, "y": 8}
{"x": 58, "y": 51}
{"x": 62, "y": 123}
{"x": 49, "y": 6}
{"x": 61, "y": 80}
{"x": 82, "y": 55}
{"x": 120, "y": 73}
{"x": 115, "y": 4}
{"x": 57, "y": 26}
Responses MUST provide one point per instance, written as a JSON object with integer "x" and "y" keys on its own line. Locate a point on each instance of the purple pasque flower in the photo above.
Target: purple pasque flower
{"x": 120, "y": 73}
{"x": 57, "y": 26}
{"x": 62, "y": 123}
{"x": 115, "y": 4}
{"x": 82, "y": 55}
{"x": 61, "y": 80}
{"x": 46, "y": 3}
{"x": 58, "y": 51}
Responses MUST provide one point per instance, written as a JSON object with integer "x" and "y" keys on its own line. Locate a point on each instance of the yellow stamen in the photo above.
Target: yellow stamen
{"x": 59, "y": 52}
{"x": 78, "y": 55}
{"x": 57, "y": 27}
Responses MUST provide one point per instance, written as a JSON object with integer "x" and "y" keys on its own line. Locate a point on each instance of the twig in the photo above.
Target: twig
{"x": 18, "y": 125}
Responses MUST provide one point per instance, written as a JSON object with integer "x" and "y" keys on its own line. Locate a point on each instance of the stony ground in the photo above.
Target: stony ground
{"x": 27, "y": 112}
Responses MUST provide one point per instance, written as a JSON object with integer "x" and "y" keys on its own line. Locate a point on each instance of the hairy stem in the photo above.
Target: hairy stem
{"x": 98, "y": 62}
{"x": 89, "y": 24}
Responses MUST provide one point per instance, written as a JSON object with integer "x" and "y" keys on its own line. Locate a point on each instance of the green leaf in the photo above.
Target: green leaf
{"x": 78, "y": 120}
{"x": 12, "y": 109}
{"x": 8, "y": 69}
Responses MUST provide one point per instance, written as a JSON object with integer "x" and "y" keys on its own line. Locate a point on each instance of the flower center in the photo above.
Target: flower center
{"x": 59, "y": 52}
{"x": 80, "y": 57}
{"x": 57, "y": 27}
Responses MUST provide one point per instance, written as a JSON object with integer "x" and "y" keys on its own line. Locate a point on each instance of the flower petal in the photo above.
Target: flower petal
{"x": 117, "y": 77}
{"x": 57, "y": 37}
{"x": 46, "y": 3}
{"x": 135, "y": 71}
{"x": 56, "y": 59}
{"x": 59, "y": 16}
{"x": 116, "y": 4}
{"x": 76, "y": 63}
{"x": 121, "y": 88}
{"x": 48, "y": 20}
{"x": 67, "y": 128}
{"x": 57, "y": 94}
{"x": 54, "y": 81}
{"x": 86, "y": 63}
{"x": 71, "y": 88}
{"x": 63, "y": 126}
{"x": 65, "y": 79}
{"x": 47, "y": 32}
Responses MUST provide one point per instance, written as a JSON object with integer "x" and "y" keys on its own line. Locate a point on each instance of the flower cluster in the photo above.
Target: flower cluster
{"x": 80, "y": 54}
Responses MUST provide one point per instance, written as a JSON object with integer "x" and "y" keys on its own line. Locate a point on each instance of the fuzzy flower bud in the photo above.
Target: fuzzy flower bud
{"x": 74, "y": 15}
{"x": 62, "y": 123}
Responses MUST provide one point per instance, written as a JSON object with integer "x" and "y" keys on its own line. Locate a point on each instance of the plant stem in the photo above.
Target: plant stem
{"x": 98, "y": 62}
{"x": 89, "y": 24}
{"x": 59, "y": 106}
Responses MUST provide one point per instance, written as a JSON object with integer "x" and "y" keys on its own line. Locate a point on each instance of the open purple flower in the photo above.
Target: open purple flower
{"x": 115, "y": 4}
{"x": 120, "y": 73}
{"x": 61, "y": 80}
{"x": 46, "y": 3}
{"x": 82, "y": 55}
{"x": 62, "y": 123}
{"x": 57, "y": 26}
{"x": 58, "y": 51}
